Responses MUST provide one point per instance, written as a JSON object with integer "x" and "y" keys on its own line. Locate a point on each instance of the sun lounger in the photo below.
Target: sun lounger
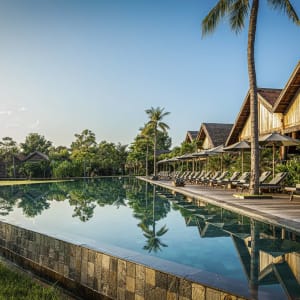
{"x": 207, "y": 179}
{"x": 226, "y": 181}
{"x": 196, "y": 176}
{"x": 262, "y": 179}
{"x": 293, "y": 191}
{"x": 221, "y": 177}
{"x": 243, "y": 179}
{"x": 202, "y": 178}
{"x": 275, "y": 184}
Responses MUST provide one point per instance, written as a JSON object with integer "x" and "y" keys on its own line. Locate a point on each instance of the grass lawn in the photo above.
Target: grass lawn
{"x": 16, "y": 285}
{"x": 20, "y": 182}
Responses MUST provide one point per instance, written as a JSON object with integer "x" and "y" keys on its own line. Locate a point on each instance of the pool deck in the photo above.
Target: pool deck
{"x": 278, "y": 211}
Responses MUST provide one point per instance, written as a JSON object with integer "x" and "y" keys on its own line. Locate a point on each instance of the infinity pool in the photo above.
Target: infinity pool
{"x": 134, "y": 215}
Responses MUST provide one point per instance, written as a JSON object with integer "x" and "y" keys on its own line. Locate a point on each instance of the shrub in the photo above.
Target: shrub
{"x": 293, "y": 168}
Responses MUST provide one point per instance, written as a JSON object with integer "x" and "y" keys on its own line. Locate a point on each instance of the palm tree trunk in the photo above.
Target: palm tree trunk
{"x": 154, "y": 154}
{"x": 147, "y": 154}
{"x": 254, "y": 179}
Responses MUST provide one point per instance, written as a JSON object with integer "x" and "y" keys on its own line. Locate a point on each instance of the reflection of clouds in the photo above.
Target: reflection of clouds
{"x": 35, "y": 124}
{"x": 5, "y": 112}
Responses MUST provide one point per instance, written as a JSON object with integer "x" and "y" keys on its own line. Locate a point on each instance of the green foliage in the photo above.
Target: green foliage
{"x": 188, "y": 148}
{"x": 64, "y": 169}
{"x": 293, "y": 169}
{"x": 59, "y": 153}
{"x": 35, "y": 169}
{"x": 35, "y": 142}
{"x": 14, "y": 285}
{"x": 152, "y": 136}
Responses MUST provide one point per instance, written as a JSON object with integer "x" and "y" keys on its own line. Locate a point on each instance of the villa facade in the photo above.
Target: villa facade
{"x": 212, "y": 134}
{"x": 191, "y": 136}
{"x": 278, "y": 111}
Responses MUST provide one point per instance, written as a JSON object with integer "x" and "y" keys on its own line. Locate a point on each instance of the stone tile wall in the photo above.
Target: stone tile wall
{"x": 96, "y": 275}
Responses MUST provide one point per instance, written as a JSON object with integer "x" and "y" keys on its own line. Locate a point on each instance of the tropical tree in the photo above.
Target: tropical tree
{"x": 35, "y": 142}
{"x": 83, "y": 148}
{"x": 155, "y": 124}
{"x": 8, "y": 148}
{"x": 145, "y": 138}
{"x": 238, "y": 10}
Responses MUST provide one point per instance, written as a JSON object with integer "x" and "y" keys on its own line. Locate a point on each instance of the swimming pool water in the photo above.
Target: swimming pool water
{"x": 135, "y": 215}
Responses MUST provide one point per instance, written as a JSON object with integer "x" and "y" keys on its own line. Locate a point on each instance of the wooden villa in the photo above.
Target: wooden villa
{"x": 213, "y": 134}
{"x": 34, "y": 157}
{"x": 279, "y": 111}
{"x": 288, "y": 105}
{"x": 191, "y": 136}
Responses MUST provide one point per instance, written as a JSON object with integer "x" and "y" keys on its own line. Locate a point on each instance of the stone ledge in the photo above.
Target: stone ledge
{"x": 254, "y": 197}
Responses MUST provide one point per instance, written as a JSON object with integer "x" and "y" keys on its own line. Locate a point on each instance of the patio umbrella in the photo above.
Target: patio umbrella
{"x": 241, "y": 146}
{"x": 173, "y": 160}
{"x": 217, "y": 150}
{"x": 202, "y": 154}
{"x": 186, "y": 157}
{"x": 277, "y": 139}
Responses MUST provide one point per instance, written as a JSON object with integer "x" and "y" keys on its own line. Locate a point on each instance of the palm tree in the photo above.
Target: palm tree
{"x": 145, "y": 137}
{"x": 238, "y": 10}
{"x": 155, "y": 124}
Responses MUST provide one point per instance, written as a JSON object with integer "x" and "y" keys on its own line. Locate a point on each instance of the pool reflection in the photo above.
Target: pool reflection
{"x": 269, "y": 255}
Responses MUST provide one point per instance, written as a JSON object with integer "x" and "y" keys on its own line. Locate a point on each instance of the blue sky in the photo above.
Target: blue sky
{"x": 68, "y": 65}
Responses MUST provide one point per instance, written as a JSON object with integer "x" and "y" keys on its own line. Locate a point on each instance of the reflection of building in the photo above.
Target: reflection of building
{"x": 268, "y": 255}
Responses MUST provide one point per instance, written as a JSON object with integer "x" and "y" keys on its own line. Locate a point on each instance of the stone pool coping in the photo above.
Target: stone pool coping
{"x": 278, "y": 211}
{"x": 111, "y": 272}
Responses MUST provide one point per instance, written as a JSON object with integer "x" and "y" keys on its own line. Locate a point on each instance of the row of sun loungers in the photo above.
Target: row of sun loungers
{"x": 236, "y": 180}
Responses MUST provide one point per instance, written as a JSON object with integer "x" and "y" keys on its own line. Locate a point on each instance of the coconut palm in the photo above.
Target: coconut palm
{"x": 145, "y": 137}
{"x": 238, "y": 10}
{"x": 154, "y": 125}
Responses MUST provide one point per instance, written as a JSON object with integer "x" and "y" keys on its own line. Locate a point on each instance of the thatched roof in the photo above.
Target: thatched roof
{"x": 289, "y": 91}
{"x": 191, "y": 135}
{"x": 19, "y": 157}
{"x": 162, "y": 151}
{"x": 36, "y": 156}
{"x": 216, "y": 133}
{"x": 33, "y": 157}
{"x": 266, "y": 96}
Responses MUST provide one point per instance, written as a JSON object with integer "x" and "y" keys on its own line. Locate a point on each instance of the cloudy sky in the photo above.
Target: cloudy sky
{"x": 68, "y": 65}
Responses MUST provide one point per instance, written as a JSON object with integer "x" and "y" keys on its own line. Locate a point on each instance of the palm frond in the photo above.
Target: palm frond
{"x": 162, "y": 231}
{"x": 238, "y": 12}
{"x": 163, "y": 126}
{"x": 213, "y": 18}
{"x": 286, "y": 7}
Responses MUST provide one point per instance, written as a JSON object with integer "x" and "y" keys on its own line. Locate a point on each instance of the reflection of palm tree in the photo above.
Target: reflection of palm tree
{"x": 119, "y": 202}
{"x": 255, "y": 262}
{"x": 153, "y": 237}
